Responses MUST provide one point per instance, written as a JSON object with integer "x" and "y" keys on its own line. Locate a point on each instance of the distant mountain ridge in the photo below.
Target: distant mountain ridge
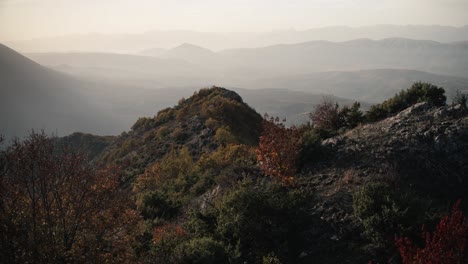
{"x": 361, "y": 69}
{"x": 95, "y": 42}
{"x": 36, "y": 97}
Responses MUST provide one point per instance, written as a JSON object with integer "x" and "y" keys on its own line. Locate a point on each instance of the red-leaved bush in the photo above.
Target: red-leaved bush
{"x": 447, "y": 245}
{"x": 278, "y": 150}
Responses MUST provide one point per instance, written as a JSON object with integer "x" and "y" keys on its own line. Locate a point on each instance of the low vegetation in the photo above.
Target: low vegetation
{"x": 210, "y": 181}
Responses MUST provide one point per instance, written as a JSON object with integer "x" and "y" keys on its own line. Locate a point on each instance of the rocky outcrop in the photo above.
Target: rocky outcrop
{"x": 423, "y": 148}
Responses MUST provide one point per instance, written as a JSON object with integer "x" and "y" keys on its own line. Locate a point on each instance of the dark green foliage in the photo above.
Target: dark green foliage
{"x": 418, "y": 92}
{"x": 157, "y": 204}
{"x": 311, "y": 139}
{"x": 201, "y": 224}
{"x": 227, "y": 165}
{"x": 258, "y": 220}
{"x": 351, "y": 116}
{"x": 146, "y": 123}
{"x": 385, "y": 213}
{"x": 203, "y": 250}
{"x": 329, "y": 117}
{"x": 461, "y": 99}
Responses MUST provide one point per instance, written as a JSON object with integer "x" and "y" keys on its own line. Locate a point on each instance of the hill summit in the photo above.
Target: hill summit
{"x": 211, "y": 117}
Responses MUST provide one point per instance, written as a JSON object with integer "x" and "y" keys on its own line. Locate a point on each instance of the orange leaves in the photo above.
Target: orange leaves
{"x": 58, "y": 206}
{"x": 448, "y": 243}
{"x": 168, "y": 231}
{"x": 278, "y": 150}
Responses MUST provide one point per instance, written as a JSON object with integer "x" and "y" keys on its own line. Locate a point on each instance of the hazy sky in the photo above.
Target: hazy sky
{"x": 25, "y": 19}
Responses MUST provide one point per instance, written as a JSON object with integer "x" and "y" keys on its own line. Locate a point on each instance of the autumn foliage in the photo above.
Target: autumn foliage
{"x": 278, "y": 150}
{"x": 56, "y": 207}
{"x": 448, "y": 243}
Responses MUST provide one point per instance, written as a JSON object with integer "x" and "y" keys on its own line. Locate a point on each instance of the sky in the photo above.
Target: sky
{"x": 28, "y": 19}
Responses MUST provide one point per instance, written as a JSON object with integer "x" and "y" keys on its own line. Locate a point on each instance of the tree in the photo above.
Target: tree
{"x": 329, "y": 117}
{"x": 279, "y": 150}
{"x": 326, "y": 115}
{"x": 461, "y": 99}
{"x": 56, "y": 207}
{"x": 448, "y": 243}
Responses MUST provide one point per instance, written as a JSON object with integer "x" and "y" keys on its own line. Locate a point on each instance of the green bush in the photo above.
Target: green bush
{"x": 224, "y": 136}
{"x": 461, "y": 99}
{"x": 258, "y": 220}
{"x": 157, "y": 204}
{"x": 418, "y": 92}
{"x": 200, "y": 224}
{"x": 312, "y": 144}
{"x": 178, "y": 134}
{"x": 385, "y": 213}
{"x": 203, "y": 250}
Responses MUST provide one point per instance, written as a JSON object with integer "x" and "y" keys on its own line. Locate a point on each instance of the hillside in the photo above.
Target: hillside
{"x": 189, "y": 52}
{"x": 359, "y": 54}
{"x": 35, "y": 97}
{"x": 319, "y": 56}
{"x": 202, "y": 122}
{"x": 418, "y": 155}
{"x": 415, "y": 158}
{"x": 209, "y": 181}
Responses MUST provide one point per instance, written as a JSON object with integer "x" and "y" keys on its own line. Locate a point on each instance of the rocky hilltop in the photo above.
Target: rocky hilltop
{"x": 210, "y": 118}
{"x": 420, "y": 152}
{"x": 203, "y": 195}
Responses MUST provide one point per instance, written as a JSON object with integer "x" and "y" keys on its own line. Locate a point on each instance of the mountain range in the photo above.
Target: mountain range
{"x": 128, "y": 43}
{"x": 361, "y": 69}
{"x": 36, "y": 97}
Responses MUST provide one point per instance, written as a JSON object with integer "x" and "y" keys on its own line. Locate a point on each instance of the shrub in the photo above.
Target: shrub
{"x": 326, "y": 116}
{"x": 164, "y": 116}
{"x": 279, "y": 150}
{"x": 212, "y": 123}
{"x": 178, "y": 134}
{"x": 162, "y": 132}
{"x": 311, "y": 139}
{"x": 203, "y": 250}
{"x": 156, "y": 204}
{"x": 259, "y": 220}
{"x": 166, "y": 238}
{"x": 224, "y": 136}
{"x": 461, "y": 99}
{"x": 448, "y": 243}
{"x": 270, "y": 259}
{"x": 329, "y": 117}
{"x": 383, "y": 213}
{"x": 351, "y": 116}
{"x": 227, "y": 164}
{"x": 418, "y": 92}
{"x": 200, "y": 224}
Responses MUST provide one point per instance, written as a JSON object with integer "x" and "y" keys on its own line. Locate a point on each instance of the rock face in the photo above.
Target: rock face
{"x": 418, "y": 129}
{"x": 424, "y": 148}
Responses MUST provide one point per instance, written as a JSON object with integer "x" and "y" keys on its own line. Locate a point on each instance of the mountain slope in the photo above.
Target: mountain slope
{"x": 360, "y": 54}
{"x": 404, "y": 171}
{"x": 416, "y": 159}
{"x": 35, "y": 97}
{"x": 209, "y": 118}
{"x": 189, "y": 52}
